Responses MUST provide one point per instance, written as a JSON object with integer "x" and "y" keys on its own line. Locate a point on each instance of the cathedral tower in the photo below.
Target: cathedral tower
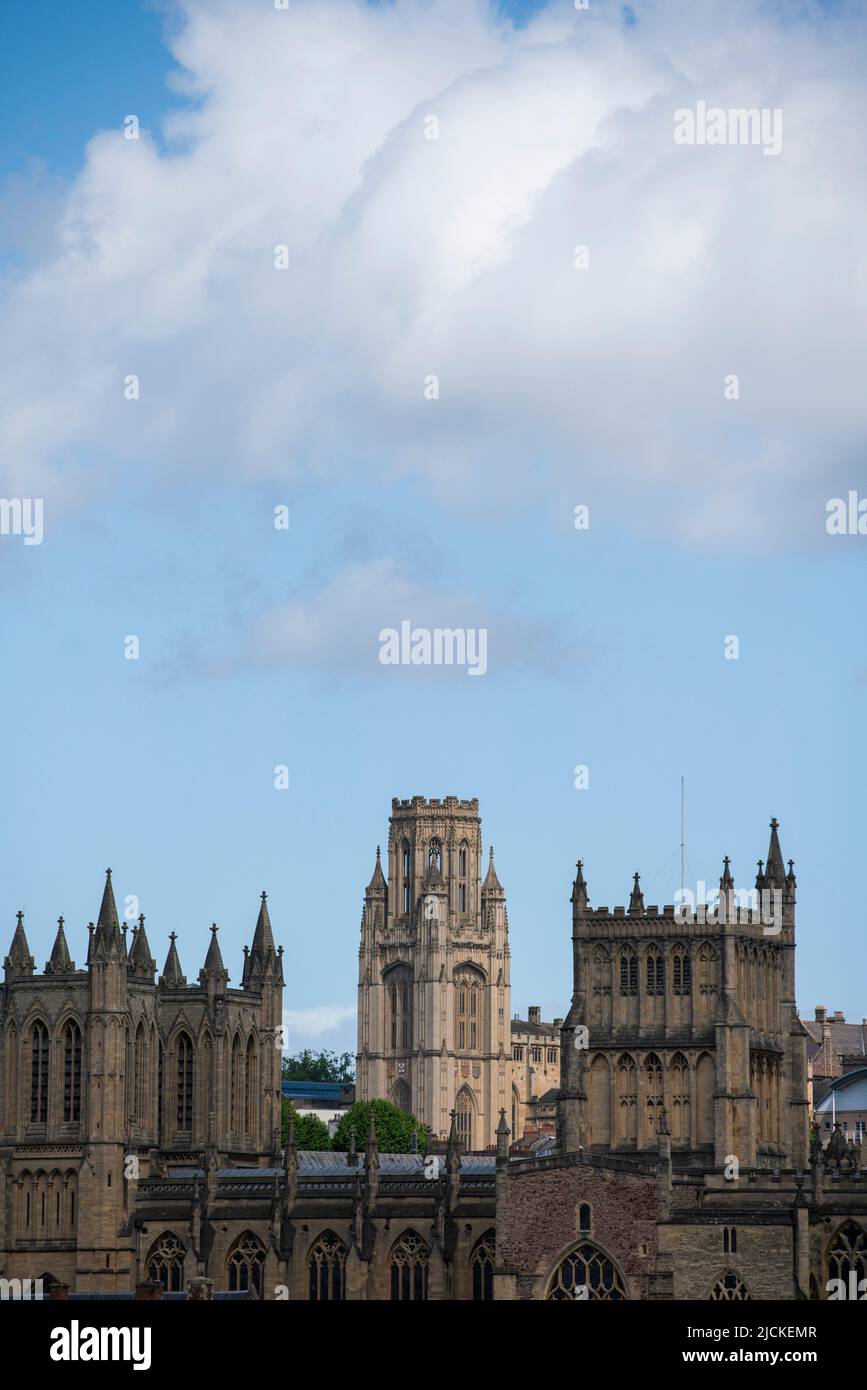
{"x": 684, "y": 1021}
{"x": 433, "y": 984}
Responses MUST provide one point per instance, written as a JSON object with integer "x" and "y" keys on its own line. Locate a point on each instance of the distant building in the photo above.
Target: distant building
{"x": 325, "y": 1099}
{"x": 834, "y": 1047}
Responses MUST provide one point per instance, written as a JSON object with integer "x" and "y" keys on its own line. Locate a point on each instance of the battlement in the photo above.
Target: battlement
{"x": 449, "y": 805}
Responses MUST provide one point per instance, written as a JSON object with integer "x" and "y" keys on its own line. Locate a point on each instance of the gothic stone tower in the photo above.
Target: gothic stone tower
{"x": 690, "y": 1019}
{"x": 107, "y": 1077}
{"x": 433, "y": 982}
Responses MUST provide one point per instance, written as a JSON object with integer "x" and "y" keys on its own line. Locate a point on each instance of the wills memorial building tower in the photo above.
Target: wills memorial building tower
{"x": 433, "y": 979}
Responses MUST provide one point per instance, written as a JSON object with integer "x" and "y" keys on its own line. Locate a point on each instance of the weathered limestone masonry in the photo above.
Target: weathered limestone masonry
{"x": 434, "y": 998}
{"x": 684, "y": 1167}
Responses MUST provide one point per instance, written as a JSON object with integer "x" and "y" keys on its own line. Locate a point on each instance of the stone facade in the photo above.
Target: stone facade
{"x": 684, "y": 1167}
{"x": 434, "y": 998}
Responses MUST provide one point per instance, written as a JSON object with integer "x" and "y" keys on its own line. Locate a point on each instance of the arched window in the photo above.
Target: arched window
{"x": 627, "y": 1100}
{"x": 587, "y": 1268}
{"x": 464, "y": 1117}
{"x": 251, "y": 1092}
{"x": 679, "y": 1093}
{"x": 628, "y": 972}
{"x": 246, "y": 1263}
{"x": 655, "y": 971}
{"x": 469, "y": 1002}
{"x": 463, "y": 887}
{"x": 516, "y": 1113}
{"x": 185, "y": 1082}
{"x": 141, "y": 1074}
{"x": 235, "y": 1086}
{"x": 681, "y": 970}
{"x": 165, "y": 1262}
{"x": 653, "y": 1094}
{"x": 407, "y": 903}
{"x": 462, "y": 860}
{"x": 583, "y": 1215}
{"x": 730, "y": 1240}
{"x": 401, "y": 1096}
{"x": 847, "y": 1254}
{"x": 326, "y": 1265}
{"x": 10, "y": 1115}
{"x": 39, "y": 1074}
{"x": 482, "y": 1268}
{"x": 71, "y": 1073}
{"x": 398, "y": 997}
{"x": 731, "y": 1289}
{"x": 408, "y": 1263}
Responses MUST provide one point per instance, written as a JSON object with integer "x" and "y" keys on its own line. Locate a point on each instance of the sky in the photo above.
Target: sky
{"x": 508, "y": 293}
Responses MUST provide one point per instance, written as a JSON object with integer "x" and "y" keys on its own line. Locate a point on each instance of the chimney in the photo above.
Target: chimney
{"x": 821, "y": 1013}
{"x": 838, "y": 1017}
{"x": 535, "y": 1013}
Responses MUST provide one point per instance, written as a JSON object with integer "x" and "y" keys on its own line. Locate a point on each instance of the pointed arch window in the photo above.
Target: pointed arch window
{"x": 326, "y": 1266}
{"x": 587, "y": 1268}
{"x": 679, "y": 1090}
{"x": 730, "y": 1240}
{"x": 730, "y": 1289}
{"x": 39, "y": 1074}
{"x": 653, "y": 1093}
{"x": 482, "y": 1268}
{"x": 655, "y": 971}
{"x": 406, "y": 866}
{"x": 165, "y": 1262}
{"x": 681, "y": 971}
{"x": 141, "y": 1069}
{"x": 627, "y": 1099}
{"x": 409, "y": 1269}
{"x": 464, "y": 1117}
{"x": 251, "y": 1088}
{"x": 71, "y": 1073}
{"x": 398, "y": 1001}
{"x": 847, "y": 1253}
{"x": 246, "y": 1263}
{"x": 628, "y": 973}
{"x": 185, "y": 1083}
{"x": 235, "y": 1086}
{"x": 469, "y": 985}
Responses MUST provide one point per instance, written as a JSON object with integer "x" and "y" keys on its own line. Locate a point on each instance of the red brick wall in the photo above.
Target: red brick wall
{"x": 537, "y": 1222}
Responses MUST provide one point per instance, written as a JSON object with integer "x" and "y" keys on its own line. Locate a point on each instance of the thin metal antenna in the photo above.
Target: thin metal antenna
{"x": 681, "y": 836}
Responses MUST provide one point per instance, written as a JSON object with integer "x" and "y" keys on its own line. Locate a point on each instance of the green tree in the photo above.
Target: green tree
{"x": 394, "y": 1128}
{"x": 319, "y": 1066}
{"x": 310, "y": 1131}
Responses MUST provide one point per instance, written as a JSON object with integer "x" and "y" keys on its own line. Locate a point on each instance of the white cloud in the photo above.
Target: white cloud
{"x": 336, "y": 626}
{"x": 455, "y": 257}
{"x": 313, "y": 1022}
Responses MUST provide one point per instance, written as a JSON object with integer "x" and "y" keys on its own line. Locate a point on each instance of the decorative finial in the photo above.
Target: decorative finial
{"x": 214, "y": 928}
{"x": 726, "y": 860}
{"x": 20, "y": 916}
{"x": 774, "y": 823}
{"x": 377, "y": 854}
{"x": 264, "y": 896}
{"x": 108, "y": 873}
{"x": 141, "y": 919}
{"x": 173, "y": 936}
{"x": 60, "y": 922}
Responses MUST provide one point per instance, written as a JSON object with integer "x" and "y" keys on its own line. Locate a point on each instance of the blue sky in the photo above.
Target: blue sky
{"x": 605, "y": 646}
